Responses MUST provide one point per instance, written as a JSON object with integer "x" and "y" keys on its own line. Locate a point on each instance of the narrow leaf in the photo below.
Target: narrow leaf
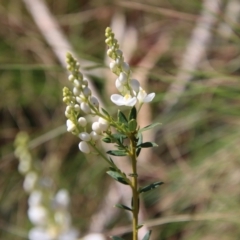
{"x": 150, "y": 187}
{"x": 123, "y": 207}
{"x": 133, "y": 114}
{"x": 147, "y": 145}
{"x": 117, "y": 176}
{"x": 122, "y": 118}
{"x": 140, "y": 139}
{"x": 147, "y": 235}
{"x": 149, "y": 127}
{"x": 107, "y": 140}
{"x": 132, "y": 125}
{"x": 105, "y": 112}
{"x": 139, "y": 226}
{"x": 116, "y": 238}
{"x": 119, "y": 153}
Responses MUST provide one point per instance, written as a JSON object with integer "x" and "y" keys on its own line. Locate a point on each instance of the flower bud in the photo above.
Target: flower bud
{"x": 82, "y": 121}
{"x": 71, "y": 78}
{"x": 37, "y": 214}
{"x": 122, "y": 78}
{"x": 94, "y": 136}
{"x": 70, "y": 125}
{"x": 86, "y": 92}
{"x": 113, "y": 66}
{"x": 125, "y": 67}
{"x": 85, "y": 108}
{"x": 85, "y": 136}
{"x": 76, "y": 91}
{"x": 77, "y": 107}
{"x": 84, "y": 147}
{"x": 134, "y": 85}
{"x": 94, "y": 101}
{"x": 96, "y": 127}
{"x": 30, "y": 181}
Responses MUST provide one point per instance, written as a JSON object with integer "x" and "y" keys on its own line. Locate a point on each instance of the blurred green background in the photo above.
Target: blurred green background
{"x": 198, "y": 156}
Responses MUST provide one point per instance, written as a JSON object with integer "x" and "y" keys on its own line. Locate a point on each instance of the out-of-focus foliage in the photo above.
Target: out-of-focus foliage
{"x": 198, "y": 156}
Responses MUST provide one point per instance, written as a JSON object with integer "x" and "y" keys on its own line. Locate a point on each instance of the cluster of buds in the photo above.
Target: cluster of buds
{"x": 48, "y": 212}
{"x": 80, "y": 104}
{"x": 130, "y": 89}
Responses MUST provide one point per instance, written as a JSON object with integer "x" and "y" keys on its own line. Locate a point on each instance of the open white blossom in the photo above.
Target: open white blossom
{"x": 143, "y": 97}
{"x": 127, "y": 100}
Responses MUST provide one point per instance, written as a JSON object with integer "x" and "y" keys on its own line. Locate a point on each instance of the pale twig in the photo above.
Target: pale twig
{"x": 231, "y": 16}
{"x": 158, "y": 10}
{"x": 55, "y": 38}
{"x": 196, "y": 48}
{"x": 229, "y": 217}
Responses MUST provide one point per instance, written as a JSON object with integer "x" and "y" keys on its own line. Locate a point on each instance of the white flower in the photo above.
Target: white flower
{"x": 70, "y": 125}
{"x": 62, "y": 198}
{"x": 94, "y": 236}
{"x": 85, "y": 136}
{"x": 30, "y": 181}
{"x": 85, "y": 107}
{"x": 35, "y": 198}
{"x": 143, "y": 97}
{"x": 70, "y": 234}
{"x": 37, "y": 214}
{"x": 84, "y": 147}
{"x": 24, "y": 165}
{"x": 82, "y": 121}
{"x": 38, "y": 233}
{"x": 127, "y": 100}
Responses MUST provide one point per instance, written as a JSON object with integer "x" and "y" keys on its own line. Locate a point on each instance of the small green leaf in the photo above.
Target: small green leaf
{"x": 139, "y": 226}
{"x": 116, "y": 238}
{"x": 147, "y": 235}
{"x": 133, "y": 114}
{"x": 147, "y": 145}
{"x": 132, "y": 125}
{"x": 123, "y": 207}
{"x": 139, "y": 142}
{"x": 119, "y": 153}
{"x": 105, "y": 112}
{"x": 149, "y": 127}
{"x": 122, "y": 118}
{"x": 107, "y": 140}
{"x": 150, "y": 187}
{"x": 117, "y": 176}
{"x": 119, "y": 137}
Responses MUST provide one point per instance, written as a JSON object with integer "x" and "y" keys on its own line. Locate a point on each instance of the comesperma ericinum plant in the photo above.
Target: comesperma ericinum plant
{"x": 81, "y": 104}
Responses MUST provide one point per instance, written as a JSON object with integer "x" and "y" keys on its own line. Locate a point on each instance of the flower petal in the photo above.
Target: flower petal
{"x": 149, "y": 97}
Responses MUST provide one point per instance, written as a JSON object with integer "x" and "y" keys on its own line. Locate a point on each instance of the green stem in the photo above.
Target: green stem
{"x": 134, "y": 185}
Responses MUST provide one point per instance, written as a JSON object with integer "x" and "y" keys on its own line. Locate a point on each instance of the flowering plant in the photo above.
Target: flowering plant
{"x": 122, "y": 131}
